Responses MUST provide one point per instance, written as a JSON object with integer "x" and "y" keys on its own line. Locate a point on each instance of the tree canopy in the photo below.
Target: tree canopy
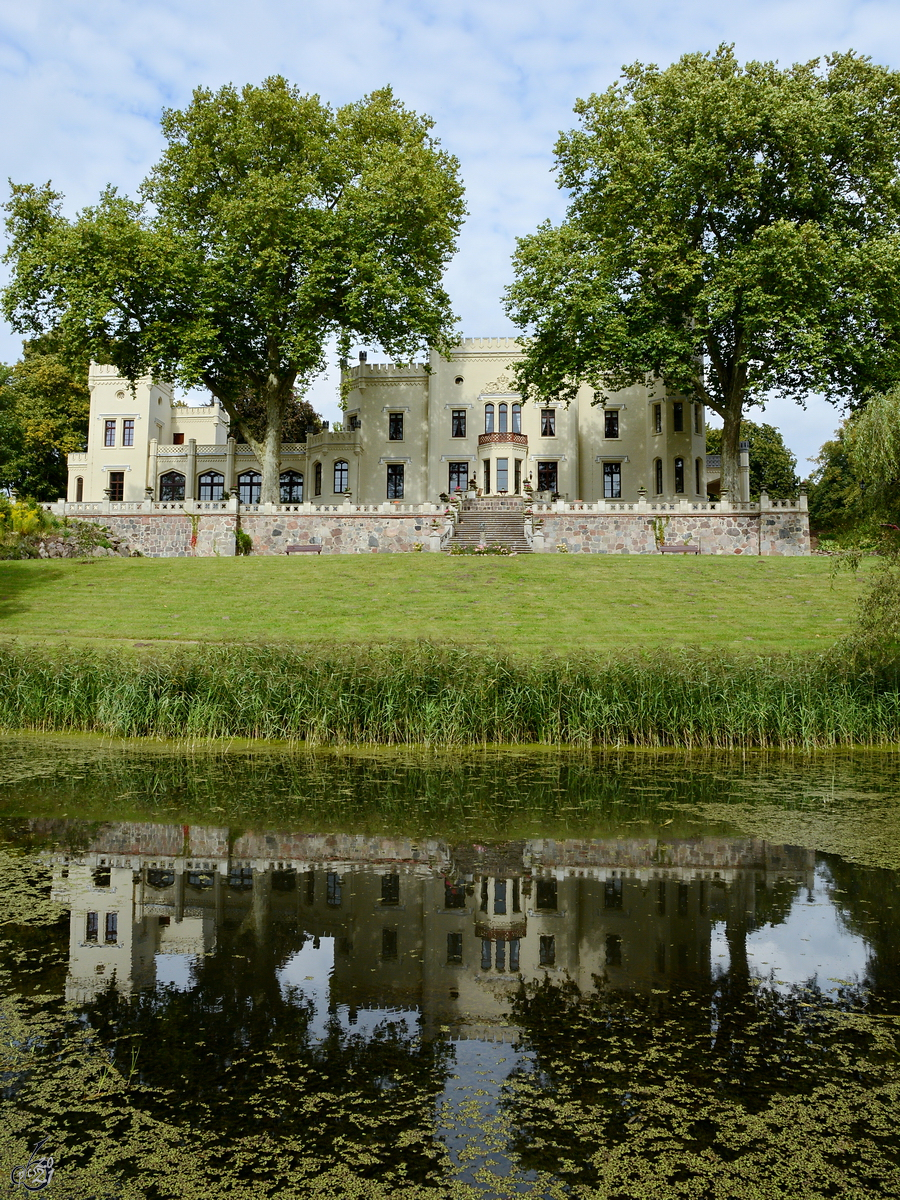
{"x": 44, "y": 406}
{"x": 733, "y": 232}
{"x": 271, "y": 223}
{"x": 772, "y": 466}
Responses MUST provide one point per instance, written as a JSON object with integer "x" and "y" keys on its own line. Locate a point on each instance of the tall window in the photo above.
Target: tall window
{"x": 117, "y": 485}
{"x": 547, "y": 951}
{"x": 395, "y": 481}
{"x": 546, "y": 894}
{"x": 112, "y": 927}
{"x": 547, "y": 477}
{"x": 698, "y": 476}
{"x": 485, "y": 954}
{"x": 612, "y": 893}
{"x": 79, "y": 489}
{"x": 109, "y": 433}
{"x": 389, "y": 943}
{"x": 698, "y": 419}
{"x": 500, "y": 897}
{"x": 454, "y": 893}
{"x": 171, "y": 486}
{"x": 500, "y": 955}
{"x": 459, "y": 476}
{"x": 678, "y": 416}
{"x": 90, "y": 927}
{"x": 395, "y": 428}
{"x": 502, "y": 474}
{"x": 317, "y": 479}
{"x": 612, "y": 480}
{"x": 390, "y": 889}
{"x": 611, "y": 423}
{"x": 487, "y": 476}
{"x": 249, "y": 487}
{"x": 548, "y": 422}
{"x": 514, "y": 954}
{"x": 658, "y": 471}
{"x": 657, "y": 418}
{"x": 679, "y": 474}
{"x": 128, "y": 433}
{"x": 517, "y": 418}
{"x": 503, "y": 423}
{"x": 613, "y": 950}
{"x": 454, "y": 947}
{"x": 458, "y": 422}
{"x": 517, "y": 484}
{"x": 489, "y": 418}
{"x": 291, "y": 487}
{"x": 341, "y": 476}
{"x": 332, "y": 889}
{"x": 212, "y": 485}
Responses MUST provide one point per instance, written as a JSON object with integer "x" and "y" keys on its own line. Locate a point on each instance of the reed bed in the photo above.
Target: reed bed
{"x": 433, "y": 695}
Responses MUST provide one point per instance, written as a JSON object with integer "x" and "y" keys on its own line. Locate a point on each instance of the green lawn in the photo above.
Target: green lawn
{"x": 527, "y": 603}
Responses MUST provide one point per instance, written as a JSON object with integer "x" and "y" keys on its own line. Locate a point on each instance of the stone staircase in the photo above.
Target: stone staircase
{"x": 500, "y": 520}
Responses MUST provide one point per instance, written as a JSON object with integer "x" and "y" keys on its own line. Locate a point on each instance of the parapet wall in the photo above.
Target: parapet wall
{"x": 778, "y": 531}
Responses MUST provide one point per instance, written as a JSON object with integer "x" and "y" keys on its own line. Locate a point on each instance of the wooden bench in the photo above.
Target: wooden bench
{"x": 688, "y": 549}
{"x": 303, "y": 549}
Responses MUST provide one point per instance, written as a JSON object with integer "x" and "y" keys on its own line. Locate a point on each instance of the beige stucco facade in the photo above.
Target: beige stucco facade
{"x": 409, "y": 433}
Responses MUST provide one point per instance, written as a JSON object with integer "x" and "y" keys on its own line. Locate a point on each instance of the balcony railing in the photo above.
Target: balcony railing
{"x": 489, "y": 439}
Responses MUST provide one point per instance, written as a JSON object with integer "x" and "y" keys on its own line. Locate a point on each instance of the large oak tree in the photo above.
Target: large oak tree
{"x": 733, "y": 232}
{"x": 271, "y": 224}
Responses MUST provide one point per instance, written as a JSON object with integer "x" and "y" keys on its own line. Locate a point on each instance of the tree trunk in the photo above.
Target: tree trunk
{"x": 270, "y": 458}
{"x": 731, "y": 448}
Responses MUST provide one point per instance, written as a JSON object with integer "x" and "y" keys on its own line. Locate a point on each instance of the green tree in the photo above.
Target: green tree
{"x": 271, "y": 223}
{"x": 837, "y": 499}
{"x": 772, "y": 466}
{"x": 44, "y": 406}
{"x": 732, "y": 232}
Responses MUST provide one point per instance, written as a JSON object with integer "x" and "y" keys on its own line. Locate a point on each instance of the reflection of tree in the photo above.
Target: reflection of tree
{"x": 868, "y": 898}
{"x": 762, "y": 1092}
{"x": 232, "y": 1059}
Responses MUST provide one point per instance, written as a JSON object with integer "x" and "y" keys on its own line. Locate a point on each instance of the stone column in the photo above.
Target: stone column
{"x": 152, "y": 467}
{"x": 190, "y": 480}
{"x": 745, "y": 471}
{"x": 229, "y": 465}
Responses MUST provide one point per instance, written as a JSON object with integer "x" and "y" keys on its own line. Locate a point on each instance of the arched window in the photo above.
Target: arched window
{"x": 79, "y": 489}
{"x": 212, "y": 485}
{"x": 341, "y": 476}
{"x": 504, "y": 419}
{"x": 317, "y": 479}
{"x": 679, "y": 474}
{"x": 171, "y": 486}
{"x": 517, "y": 418}
{"x": 249, "y": 487}
{"x": 489, "y": 418}
{"x": 291, "y": 483}
{"x": 658, "y": 472}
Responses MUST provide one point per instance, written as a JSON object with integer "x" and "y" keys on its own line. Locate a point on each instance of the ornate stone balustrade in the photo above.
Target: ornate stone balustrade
{"x": 490, "y": 439}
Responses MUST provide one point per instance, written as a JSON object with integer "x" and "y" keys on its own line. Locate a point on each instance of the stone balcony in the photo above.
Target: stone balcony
{"x": 491, "y": 439}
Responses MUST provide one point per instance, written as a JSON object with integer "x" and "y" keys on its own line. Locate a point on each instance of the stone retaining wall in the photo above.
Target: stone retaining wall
{"x": 775, "y": 531}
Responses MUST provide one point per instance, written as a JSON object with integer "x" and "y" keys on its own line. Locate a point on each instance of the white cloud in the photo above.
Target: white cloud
{"x": 82, "y": 86}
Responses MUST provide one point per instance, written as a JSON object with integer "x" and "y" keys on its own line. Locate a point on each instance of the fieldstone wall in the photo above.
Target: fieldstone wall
{"x": 350, "y": 533}
{"x": 175, "y": 534}
{"x": 776, "y": 531}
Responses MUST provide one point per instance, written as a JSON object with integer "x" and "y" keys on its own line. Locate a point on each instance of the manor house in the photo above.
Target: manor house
{"x": 409, "y": 434}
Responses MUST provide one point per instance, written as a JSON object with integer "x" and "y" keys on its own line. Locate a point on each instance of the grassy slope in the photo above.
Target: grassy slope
{"x": 524, "y": 604}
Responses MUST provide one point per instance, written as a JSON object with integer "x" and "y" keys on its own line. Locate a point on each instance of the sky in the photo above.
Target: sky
{"x": 82, "y": 86}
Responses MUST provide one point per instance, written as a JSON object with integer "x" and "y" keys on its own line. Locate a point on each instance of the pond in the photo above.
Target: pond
{"x": 261, "y": 972}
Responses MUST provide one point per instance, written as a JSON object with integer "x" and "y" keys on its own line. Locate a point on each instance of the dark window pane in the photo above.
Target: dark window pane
{"x": 517, "y": 418}
{"x": 389, "y": 943}
{"x": 109, "y": 433}
{"x": 332, "y": 889}
{"x": 395, "y": 427}
{"x": 459, "y": 476}
{"x": 128, "y": 433}
{"x": 90, "y": 927}
{"x": 679, "y": 474}
{"x": 503, "y": 418}
{"x": 612, "y": 893}
{"x": 516, "y": 898}
{"x": 454, "y": 947}
{"x": 517, "y": 485}
{"x": 485, "y": 954}
{"x": 502, "y": 474}
{"x": 678, "y": 416}
{"x": 613, "y": 950}
{"x": 112, "y": 927}
{"x": 698, "y": 467}
{"x": 500, "y": 955}
{"x": 390, "y": 889}
{"x": 489, "y": 418}
{"x": 458, "y": 423}
{"x": 611, "y": 424}
{"x": 657, "y": 418}
{"x": 514, "y": 954}
{"x": 661, "y": 898}
{"x": 101, "y": 877}
{"x": 487, "y": 476}
{"x": 612, "y": 480}
{"x": 177, "y": 439}
{"x": 547, "y": 951}
{"x": 284, "y": 881}
{"x": 548, "y": 422}
{"x": 454, "y": 894}
{"x": 116, "y": 485}
{"x": 682, "y": 899}
{"x": 500, "y": 896}
{"x": 341, "y": 476}
{"x": 249, "y": 485}
{"x": 547, "y": 477}
{"x": 291, "y": 485}
{"x": 484, "y": 895}
{"x": 171, "y": 486}
{"x": 395, "y": 481}
{"x": 212, "y": 485}
{"x": 698, "y": 419}
{"x": 659, "y": 477}
{"x": 317, "y": 479}
{"x": 310, "y": 887}
{"x": 545, "y": 894}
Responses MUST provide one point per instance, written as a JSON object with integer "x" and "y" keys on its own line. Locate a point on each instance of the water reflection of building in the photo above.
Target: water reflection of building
{"x": 448, "y": 930}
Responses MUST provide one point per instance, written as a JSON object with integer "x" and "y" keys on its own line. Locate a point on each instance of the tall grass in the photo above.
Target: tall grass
{"x": 428, "y": 694}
